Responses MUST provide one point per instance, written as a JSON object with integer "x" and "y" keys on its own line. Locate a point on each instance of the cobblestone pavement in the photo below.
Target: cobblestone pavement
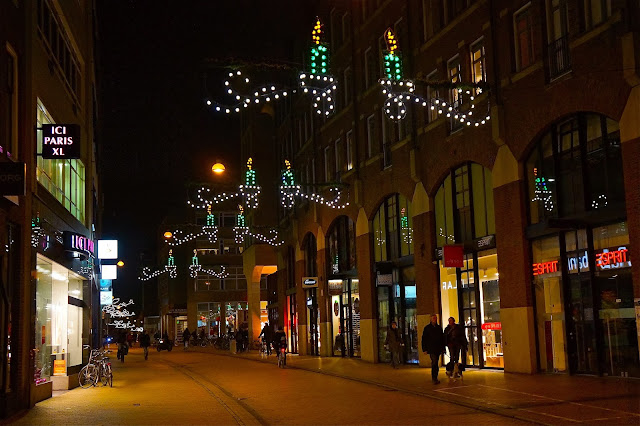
{"x": 205, "y": 386}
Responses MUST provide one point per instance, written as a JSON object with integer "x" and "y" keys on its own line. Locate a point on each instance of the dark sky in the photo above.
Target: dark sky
{"x": 154, "y": 70}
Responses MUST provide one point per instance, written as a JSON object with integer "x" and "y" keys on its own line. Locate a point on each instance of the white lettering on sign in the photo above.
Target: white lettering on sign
{"x": 483, "y": 242}
{"x": 78, "y": 242}
{"x": 449, "y": 286}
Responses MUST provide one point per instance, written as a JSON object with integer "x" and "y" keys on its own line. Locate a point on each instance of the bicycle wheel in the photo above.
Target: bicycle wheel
{"x": 110, "y": 375}
{"x": 104, "y": 378}
{"x": 88, "y": 376}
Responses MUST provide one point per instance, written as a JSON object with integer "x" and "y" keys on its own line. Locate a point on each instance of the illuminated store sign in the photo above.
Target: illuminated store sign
{"x": 60, "y": 141}
{"x": 309, "y": 282}
{"x": 545, "y": 268}
{"x": 492, "y": 326}
{"x": 78, "y": 243}
{"x": 613, "y": 259}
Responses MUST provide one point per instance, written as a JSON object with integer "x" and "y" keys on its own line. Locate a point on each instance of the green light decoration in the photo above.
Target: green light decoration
{"x": 170, "y": 260}
{"x": 392, "y": 58}
{"x": 250, "y": 174}
{"x": 240, "y": 222}
{"x": 287, "y": 175}
{"x": 542, "y": 193}
{"x": 211, "y": 219}
{"x": 194, "y": 259}
{"x": 319, "y": 51}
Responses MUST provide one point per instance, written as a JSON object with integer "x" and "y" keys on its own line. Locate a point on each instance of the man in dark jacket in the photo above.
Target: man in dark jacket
{"x": 266, "y": 336}
{"x": 394, "y": 344}
{"x": 186, "y": 335}
{"x": 456, "y": 341}
{"x": 433, "y": 344}
{"x": 145, "y": 342}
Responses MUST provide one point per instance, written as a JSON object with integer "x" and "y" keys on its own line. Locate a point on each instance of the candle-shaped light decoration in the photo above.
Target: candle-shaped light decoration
{"x": 170, "y": 260}
{"x": 211, "y": 220}
{"x": 319, "y": 51}
{"x": 250, "y": 175}
{"x": 194, "y": 259}
{"x": 287, "y": 174}
{"x": 240, "y": 218}
{"x": 392, "y": 57}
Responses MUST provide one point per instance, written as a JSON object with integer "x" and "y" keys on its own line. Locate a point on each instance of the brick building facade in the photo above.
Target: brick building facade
{"x": 550, "y": 179}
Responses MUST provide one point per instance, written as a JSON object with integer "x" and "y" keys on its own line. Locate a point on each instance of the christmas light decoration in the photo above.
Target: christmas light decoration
{"x": 210, "y": 230}
{"x": 262, "y": 94}
{"x": 319, "y": 50}
{"x": 407, "y": 232}
{"x": 289, "y": 191}
{"x": 600, "y": 201}
{"x": 170, "y": 268}
{"x": 120, "y": 324}
{"x": 195, "y": 267}
{"x": 249, "y": 192}
{"x": 117, "y": 309}
{"x": 542, "y": 193}
{"x": 241, "y": 231}
{"x": 400, "y": 92}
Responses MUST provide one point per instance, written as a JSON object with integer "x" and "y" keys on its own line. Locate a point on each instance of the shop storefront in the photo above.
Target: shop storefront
{"x": 236, "y": 316}
{"x": 395, "y": 275}
{"x": 471, "y": 294}
{"x": 209, "y": 320}
{"x": 291, "y": 326}
{"x": 581, "y": 257}
{"x": 61, "y": 323}
{"x": 311, "y": 295}
{"x": 343, "y": 288}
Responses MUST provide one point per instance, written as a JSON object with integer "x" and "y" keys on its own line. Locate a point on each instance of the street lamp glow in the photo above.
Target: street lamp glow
{"x": 218, "y": 168}
{"x": 168, "y": 235}
{"x": 120, "y": 263}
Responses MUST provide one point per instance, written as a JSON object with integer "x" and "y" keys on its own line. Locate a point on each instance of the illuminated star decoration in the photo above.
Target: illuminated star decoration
{"x": 289, "y": 190}
{"x": 400, "y": 92}
{"x": 117, "y": 309}
{"x": 170, "y": 268}
{"x": 195, "y": 267}
{"x": 407, "y": 232}
{"x": 542, "y": 193}
{"x": 240, "y": 101}
{"x": 249, "y": 192}
{"x": 318, "y": 82}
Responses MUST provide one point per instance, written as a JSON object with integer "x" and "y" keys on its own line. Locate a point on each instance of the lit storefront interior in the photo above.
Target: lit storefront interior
{"x": 395, "y": 275}
{"x": 311, "y": 295}
{"x": 60, "y": 323}
{"x": 581, "y": 258}
{"x": 344, "y": 288}
{"x": 465, "y": 215}
{"x": 209, "y": 319}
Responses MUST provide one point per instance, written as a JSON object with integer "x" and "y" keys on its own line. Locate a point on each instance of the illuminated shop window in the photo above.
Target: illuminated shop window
{"x": 64, "y": 179}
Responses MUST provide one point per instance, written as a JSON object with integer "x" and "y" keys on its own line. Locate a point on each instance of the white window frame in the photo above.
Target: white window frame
{"x": 516, "y": 38}
{"x": 327, "y": 155}
{"x": 370, "y": 140}
{"x": 366, "y": 66}
{"x": 347, "y": 86}
{"x": 338, "y": 154}
{"x": 432, "y": 94}
{"x": 483, "y": 62}
{"x": 349, "y": 148}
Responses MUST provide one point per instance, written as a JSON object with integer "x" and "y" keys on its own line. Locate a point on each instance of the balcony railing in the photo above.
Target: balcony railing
{"x": 559, "y": 57}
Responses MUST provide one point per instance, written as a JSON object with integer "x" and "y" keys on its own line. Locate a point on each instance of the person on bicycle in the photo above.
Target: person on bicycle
{"x": 280, "y": 342}
{"x": 267, "y": 337}
{"x": 145, "y": 342}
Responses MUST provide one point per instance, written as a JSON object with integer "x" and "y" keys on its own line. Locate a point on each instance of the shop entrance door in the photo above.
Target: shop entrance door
{"x": 469, "y": 301}
{"x": 312, "y": 322}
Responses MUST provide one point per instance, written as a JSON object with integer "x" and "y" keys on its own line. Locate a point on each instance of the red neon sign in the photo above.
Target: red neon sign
{"x": 611, "y": 257}
{"x": 492, "y": 326}
{"x": 545, "y": 268}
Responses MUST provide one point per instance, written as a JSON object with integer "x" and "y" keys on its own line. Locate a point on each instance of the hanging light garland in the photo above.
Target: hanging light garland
{"x": 117, "y": 309}
{"x": 210, "y": 230}
{"x": 195, "y": 267}
{"x": 241, "y": 231}
{"x": 316, "y": 82}
{"x": 249, "y": 192}
{"x": 407, "y": 232}
{"x": 289, "y": 191}
{"x": 400, "y": 92}
{"x": 170, "y": 268}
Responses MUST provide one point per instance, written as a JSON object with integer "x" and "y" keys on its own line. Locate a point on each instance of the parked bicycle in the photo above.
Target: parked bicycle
{"x": 98, "y": 369}
{"x": 222, "y": 342}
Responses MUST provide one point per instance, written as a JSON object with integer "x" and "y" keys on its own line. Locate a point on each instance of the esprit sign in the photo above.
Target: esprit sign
{"x": 613, "y": 259}
{"x": 309, "y": 282}
{"x": 545, "y": 268}
{"x": 60, "y": 141}
{"x": 78, "y": 243}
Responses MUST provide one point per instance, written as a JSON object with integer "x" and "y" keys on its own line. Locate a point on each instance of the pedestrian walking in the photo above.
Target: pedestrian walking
{"x": 433, "y": 345}
{"x": 145, "y": 342}
{"x": 394, "y": 344}
{"x": 457, "y": 342}
{"x": 123, "y": 346}
{"x": 186, "y": 335}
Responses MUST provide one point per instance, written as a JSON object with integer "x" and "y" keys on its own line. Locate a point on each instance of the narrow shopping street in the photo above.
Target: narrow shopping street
{"x": 205, "y": 386}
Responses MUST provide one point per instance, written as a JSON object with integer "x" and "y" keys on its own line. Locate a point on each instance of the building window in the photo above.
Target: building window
{"x": 57, "y": 43}
{"x": 310, "y": 256}
{"x": 464, "y": 205}
{"x": 432, "y": 94}
{"x": 348, "y": 84}
{"x": 341, "y": 245}
{"x": 349, "y": 148}
{"x": 393, "y": 229}
{"x": 596, "y": 12}
{"x": 336, "y": 30}
{"x": 576, "y": 167}
{"x": 455, "y": 8}
{"x": 372, "y": 135}
{"x": 558, "y": 33}
{"x": 346, "y": 26}
{"x": 12, "y": 105}
{"x": 372, "y": 67}
{"x": 327, "y": 164}
{"x": 478, "y": 64}
{"x": 64, "y": 179}
{"x": 339, "y": 158}
{"x": 454, "y": 71}
{"x": 523, "y": 37}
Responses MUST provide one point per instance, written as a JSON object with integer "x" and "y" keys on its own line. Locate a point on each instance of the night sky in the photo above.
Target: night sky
{"x": 157, "y": 62}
